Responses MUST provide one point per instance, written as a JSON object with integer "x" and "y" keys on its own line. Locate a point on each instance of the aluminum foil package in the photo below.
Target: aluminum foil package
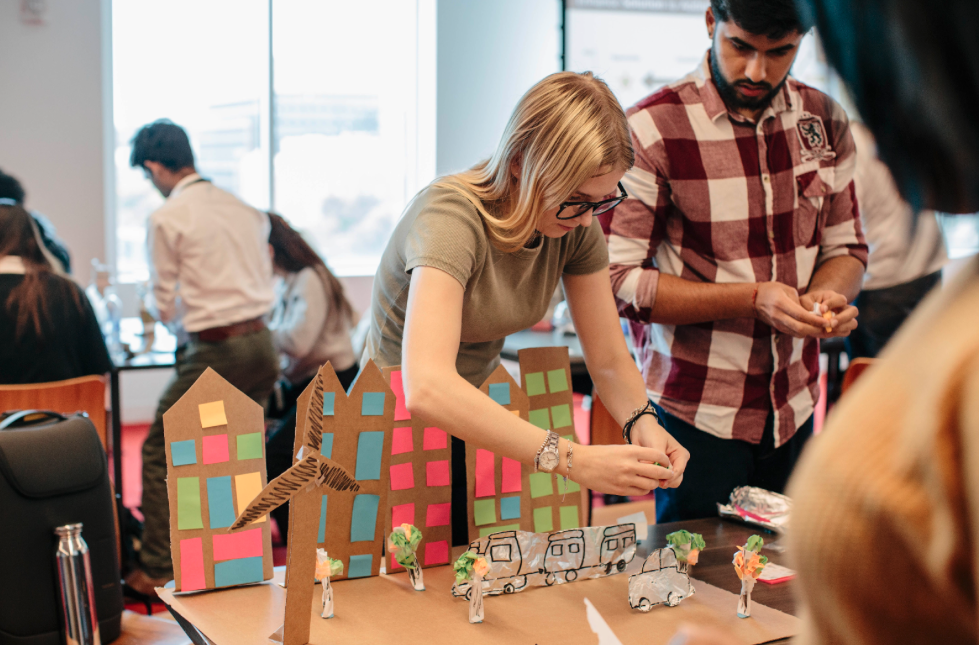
{"x": 659, "y": 583}
{"x": 759, "y": 507}
{"x": 521, "y": 559}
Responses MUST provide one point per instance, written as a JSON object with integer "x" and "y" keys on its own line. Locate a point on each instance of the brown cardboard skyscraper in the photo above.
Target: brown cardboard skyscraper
{"x": 420, "y": 480}
{"x": 215, "y": 448}
{"x": 303, "y": 485}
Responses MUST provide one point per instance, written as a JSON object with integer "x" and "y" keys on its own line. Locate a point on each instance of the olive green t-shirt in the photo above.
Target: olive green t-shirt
{"x": 505, "y": 292}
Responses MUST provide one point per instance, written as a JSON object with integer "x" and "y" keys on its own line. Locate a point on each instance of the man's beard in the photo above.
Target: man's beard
{"x": 733, "y": 99}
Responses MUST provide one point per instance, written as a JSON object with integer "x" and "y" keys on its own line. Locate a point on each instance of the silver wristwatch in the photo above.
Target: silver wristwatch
{"x": 548, "y": 457}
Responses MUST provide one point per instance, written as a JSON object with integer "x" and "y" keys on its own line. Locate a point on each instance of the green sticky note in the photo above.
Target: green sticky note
{"x": 189, "y": 503}
{"x": 487, "y": 530}
{"x": 484, "y": 512}
{"x": 573, "y": 487}
{"x": 561, "y": 415}
{"x": 250, "y": 446}
{"x": 540, "y": 419}
{"x": 557, "y": 380}
{"x": 535, "y": 384}
{"x": 569, "y": 517}
{"x": 540, "y": 485}
{"x": 542, "y": 520}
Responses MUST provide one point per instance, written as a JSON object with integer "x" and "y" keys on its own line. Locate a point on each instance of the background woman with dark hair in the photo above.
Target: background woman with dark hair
{"x": 310, "y": 325}
{"x": 48, "y": 329}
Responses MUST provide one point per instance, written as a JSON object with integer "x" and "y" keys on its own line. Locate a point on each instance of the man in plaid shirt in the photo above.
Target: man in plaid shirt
{"x": 741, "y": 217}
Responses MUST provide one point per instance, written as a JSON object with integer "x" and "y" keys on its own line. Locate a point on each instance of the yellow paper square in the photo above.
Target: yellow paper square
{"x": 247, "y": 488}
{"x": 516, "y": 412}
{"x": 212, "y": 414}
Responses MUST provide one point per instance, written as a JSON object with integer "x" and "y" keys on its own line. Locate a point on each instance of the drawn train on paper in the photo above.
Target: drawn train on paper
{"x": 520, "y": 559}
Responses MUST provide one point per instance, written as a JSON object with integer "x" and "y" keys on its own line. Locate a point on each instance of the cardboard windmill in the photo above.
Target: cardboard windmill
{"x": 546, "y": 376}
{"x": 214, "y": 439}
{"x": 421, "y": 484}
{"x": 303, "y": 485}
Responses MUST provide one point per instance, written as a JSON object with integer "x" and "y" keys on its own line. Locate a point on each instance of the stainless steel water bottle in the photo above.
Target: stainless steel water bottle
{"x": 77, "y": 597}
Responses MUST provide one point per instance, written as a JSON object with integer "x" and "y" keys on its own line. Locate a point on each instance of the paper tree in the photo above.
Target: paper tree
{"x": 420, "y": 492}
{"x": 546, "y": 376}
{"x": 687, "y": 547}
{"x": 214, "y": 438}
{"x": 403, "y": 544}
{"x": 498, "y": 488}
{"x": 302, "y": 484}
{"x": 471, "y": 568}
{"x": 748, "y": 564}
{"x": 326, "y": 567}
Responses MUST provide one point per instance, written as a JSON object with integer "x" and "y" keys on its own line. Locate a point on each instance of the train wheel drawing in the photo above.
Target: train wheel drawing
{"x": 469, "y": 593}
{"x": 571, "y": 576}
{"x": 550, "y": 579}
{"x": 644, "y": 604}
{"x": 620, "y": 566}
{"x": 673, "y": 600}
{"x": 508, "y": 588}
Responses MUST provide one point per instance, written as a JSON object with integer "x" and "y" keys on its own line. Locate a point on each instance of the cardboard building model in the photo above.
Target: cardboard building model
{"x": 421, "y": 480}
{"x": 215, "y": 448}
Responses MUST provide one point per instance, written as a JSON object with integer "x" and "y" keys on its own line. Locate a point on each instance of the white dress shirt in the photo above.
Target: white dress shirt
{"x": 209, "y": 258}
{"x": 306, "y": 330}
{"x": 899, "y": 252}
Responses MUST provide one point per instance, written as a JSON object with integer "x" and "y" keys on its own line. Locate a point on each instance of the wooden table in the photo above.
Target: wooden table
{"x": 248, "y": 614}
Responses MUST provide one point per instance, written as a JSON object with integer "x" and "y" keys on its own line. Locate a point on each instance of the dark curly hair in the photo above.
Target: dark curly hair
{"x": 773, "y": 18}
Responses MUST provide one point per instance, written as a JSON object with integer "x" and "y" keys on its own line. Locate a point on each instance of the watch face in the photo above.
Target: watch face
{"x": 548, "y": 461}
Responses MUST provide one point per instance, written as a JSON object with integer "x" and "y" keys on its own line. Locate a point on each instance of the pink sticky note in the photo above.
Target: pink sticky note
{"x": 511, "y": 476}
{"x": 403, "y": 514}
{"x": 438, "y": 515}
{"x": 437, "y": 473}
{"x": 485, "y": 483}
{"x": 215, "y": 448}
{"x": 231, "y": 546}
{"x": 437, "y": 552}
{"x": 400, "y": 409}
{"x": 435, "y": 439}
{"x": 192, "y": 564}
{"x": 401, "y": 441}
{"x": 402, "y": 477}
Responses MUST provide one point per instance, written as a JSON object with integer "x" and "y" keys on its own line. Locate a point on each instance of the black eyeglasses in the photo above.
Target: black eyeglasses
{"x": 580, "y": 208}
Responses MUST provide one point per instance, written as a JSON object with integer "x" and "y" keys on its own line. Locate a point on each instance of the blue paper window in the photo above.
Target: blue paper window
{"x": 373, "y": 404}
{"x": 369, "y": 448}
{"x": 363, "y": 521}
{"x": 500, "y": 392}
{"x": 360, "y": 566}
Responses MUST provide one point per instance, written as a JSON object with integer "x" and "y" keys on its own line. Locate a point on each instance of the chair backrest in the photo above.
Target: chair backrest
{"x": 854, "y": 370}
{"x": 82, "y": 394}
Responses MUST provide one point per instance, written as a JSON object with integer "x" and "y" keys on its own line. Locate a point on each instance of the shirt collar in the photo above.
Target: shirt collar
{"x": 715, "y": 106}
{"x": 12, "y": 264}
{"x": 183, "y": 184}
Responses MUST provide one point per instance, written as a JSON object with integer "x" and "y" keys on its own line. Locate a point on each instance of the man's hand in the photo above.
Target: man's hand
{"x": 844, "y": 318}
{"x": 779, "y": 306}
{"x": 648, "y": 434}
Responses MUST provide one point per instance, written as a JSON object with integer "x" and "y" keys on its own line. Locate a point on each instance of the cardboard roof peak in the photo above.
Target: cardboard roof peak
{"x": 210, "y": 387}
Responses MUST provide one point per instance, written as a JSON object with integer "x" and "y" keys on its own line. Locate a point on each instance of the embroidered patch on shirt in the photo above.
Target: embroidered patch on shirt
{"x": 812, "y": 136}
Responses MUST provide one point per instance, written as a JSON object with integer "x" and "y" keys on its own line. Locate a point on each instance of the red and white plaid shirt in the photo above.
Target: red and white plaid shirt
{"x": 716, "y": 198}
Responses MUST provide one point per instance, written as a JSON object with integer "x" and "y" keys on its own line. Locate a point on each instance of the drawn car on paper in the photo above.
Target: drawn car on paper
{"x": 518, "y": 559}
{"x": 660, "y": 582}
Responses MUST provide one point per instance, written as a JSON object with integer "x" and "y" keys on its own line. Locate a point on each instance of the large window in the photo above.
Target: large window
{"x": 320, "y": 110}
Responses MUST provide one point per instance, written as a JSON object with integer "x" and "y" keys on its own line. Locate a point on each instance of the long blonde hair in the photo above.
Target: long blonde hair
{"x": 563, "y": 130}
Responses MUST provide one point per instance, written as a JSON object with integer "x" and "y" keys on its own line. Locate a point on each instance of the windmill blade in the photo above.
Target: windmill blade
{"x": 314, "y": 469}
{"x": 313, "y": 432}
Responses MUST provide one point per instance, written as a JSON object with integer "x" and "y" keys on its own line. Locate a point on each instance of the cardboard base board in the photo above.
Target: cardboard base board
{"x": 386, "y": 609}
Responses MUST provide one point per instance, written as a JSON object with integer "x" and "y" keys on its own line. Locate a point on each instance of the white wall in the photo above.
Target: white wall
{"x": 489, "y": 53}
{"x": 51, "y": 118}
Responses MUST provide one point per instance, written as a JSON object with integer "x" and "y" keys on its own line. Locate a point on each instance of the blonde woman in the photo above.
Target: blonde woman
{"x": 477, "y": 255}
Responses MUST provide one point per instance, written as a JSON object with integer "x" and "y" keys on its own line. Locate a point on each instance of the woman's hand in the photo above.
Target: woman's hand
{"x": 619, "y": 470}
{"x": 647, "y": 433}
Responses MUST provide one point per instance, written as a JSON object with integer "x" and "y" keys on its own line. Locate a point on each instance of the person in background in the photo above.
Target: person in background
{"x": 885, "y": 518}
{"x": 310, "y": 325}
{"x": 907, "y": 252}
{"x": 741, "y": 219}
{"x": 48, "y": 328}
{"x": 477, "y": 256}
{"x": 211, "y": 277}
{"x": 11, "y": 188}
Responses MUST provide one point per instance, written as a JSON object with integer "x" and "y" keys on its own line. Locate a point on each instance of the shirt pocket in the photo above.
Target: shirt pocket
{"x": 812, "y": 192}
